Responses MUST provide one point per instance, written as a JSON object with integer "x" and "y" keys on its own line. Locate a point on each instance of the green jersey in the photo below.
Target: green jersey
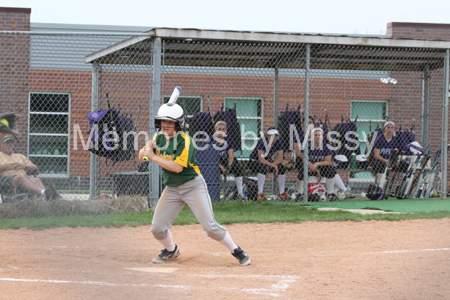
{"x": 180, "y": 149}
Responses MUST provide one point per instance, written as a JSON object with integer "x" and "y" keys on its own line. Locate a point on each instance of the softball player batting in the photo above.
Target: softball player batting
{"x": 174, "y": 151}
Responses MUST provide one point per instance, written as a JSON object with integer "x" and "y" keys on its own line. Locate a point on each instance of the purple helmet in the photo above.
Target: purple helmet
{"x": 374, "y": 192}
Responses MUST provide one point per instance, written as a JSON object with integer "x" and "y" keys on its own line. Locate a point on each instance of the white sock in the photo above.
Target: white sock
{"x": 339, "y": 183}
{"x": 281, "y": 182}
{"x": 300, "y": 187}
{"x": 239, "y": 184}
{"x": 261, "y": 181}
{"x": 330, "y": 185}
{"x": 227, "y": 241}
{"x": 168, "y": 242}
{"x": 42, "y": 192}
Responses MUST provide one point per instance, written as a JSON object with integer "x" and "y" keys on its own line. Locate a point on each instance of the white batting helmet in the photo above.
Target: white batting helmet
{"x": 170, "y": 112}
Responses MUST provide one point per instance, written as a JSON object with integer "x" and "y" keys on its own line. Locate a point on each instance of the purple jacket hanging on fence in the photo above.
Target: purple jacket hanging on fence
{"x": 405, "y": 138}
{"x": 107, "y": 130}
{"x": 285, "y": 120}
{"x": 229, "y": 116}
{"x": 234, "y": 128}
{"x": 201, "y": 122}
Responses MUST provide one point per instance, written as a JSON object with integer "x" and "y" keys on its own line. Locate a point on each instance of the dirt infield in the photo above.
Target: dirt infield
{"x": 311, "y": 260}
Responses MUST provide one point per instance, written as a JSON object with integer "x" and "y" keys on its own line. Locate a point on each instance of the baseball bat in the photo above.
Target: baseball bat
{"x": 173, "y": 99}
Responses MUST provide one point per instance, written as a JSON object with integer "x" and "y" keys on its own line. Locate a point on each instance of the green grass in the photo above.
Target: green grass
{"x": 225, "y": 213}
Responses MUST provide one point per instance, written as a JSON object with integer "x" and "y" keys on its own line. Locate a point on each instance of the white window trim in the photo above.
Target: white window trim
{"x": 248, "y": 118}
{"x": 367, "y": 121}
{"x": 35, "y": 134}
{"x": 370, "y": 120}
{"x": 188, "y": 96}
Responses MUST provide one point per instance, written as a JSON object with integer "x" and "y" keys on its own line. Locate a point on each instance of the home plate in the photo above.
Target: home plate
{"x": 153, "y": 270}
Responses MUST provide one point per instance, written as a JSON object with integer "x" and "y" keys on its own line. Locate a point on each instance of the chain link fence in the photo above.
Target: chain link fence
{"x": 88, "y": 104}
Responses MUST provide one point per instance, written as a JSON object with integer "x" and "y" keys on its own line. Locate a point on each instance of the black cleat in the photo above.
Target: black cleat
{"x": 299, "y": 198}
{"x": 241, "y": 256}
{"x": 166, "y": 255}
{"x": 332, "y": 197}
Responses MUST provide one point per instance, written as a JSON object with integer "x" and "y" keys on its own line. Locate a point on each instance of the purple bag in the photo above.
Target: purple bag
{"x": 201, "y": 121}
{"x": 229, "y": 116}
{"x": 112, "y": 146}
{"x": 404, "y": 139}
{"x": 285, "y": 121}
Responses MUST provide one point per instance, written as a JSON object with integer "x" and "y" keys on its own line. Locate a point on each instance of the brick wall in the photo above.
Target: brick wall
{"x": 15, "y": 19}
{"x": 425, "y": 31}
{"x": 15, "y": 71}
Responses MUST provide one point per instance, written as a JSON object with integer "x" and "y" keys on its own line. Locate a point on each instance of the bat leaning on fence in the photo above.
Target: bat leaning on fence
{"x": 376, "y": 192}
{"x": 423, "y": 163}
{"x": 424, "y": 176}
{"x": 435, "y": 188}
{"x": 429, "y": 180}
{"x": 389, "y": 166}
{"x": 391, "y": 181}
{"x": 406, "y": 176}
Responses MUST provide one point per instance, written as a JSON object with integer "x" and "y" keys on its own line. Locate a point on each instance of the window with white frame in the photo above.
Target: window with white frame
{"x": 190, "y": 104}
{"x": 249, "y": 113}
{"x": 370, "y": 114}
{"x": 48, "y": 134}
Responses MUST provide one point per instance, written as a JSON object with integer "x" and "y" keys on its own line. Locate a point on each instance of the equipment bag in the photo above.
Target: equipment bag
{"x": 107, "y": 130}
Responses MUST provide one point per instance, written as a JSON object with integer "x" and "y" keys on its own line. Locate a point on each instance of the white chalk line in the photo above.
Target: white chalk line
{"x": 409, "y": 251}
{"x": 94, "y": 283}
{"x": 281, "y": 286}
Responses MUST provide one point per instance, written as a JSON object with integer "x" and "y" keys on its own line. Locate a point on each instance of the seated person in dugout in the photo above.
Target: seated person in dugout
{"x": 262, "y": 162}
{"x": 228, "y": 164}
{"x": 343, "y": 190}
{"x": 15, "y": 171}
{"x": 382, "y": 149}
{"x": 319, "y": 163}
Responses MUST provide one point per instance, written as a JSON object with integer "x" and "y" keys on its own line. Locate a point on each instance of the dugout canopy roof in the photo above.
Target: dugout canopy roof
{"x": 194, "y": 47}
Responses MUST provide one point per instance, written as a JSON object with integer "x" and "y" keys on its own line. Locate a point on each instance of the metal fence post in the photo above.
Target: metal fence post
{"x": 275, "y": 119}
{"x": 94, "y": 107}
{"x": 426, "y": 108}
{"x": 445, "y": 126}
{"x": 275, "y": 97}
{"x": 306, "y": 123}
{"x": 154, "y": 105}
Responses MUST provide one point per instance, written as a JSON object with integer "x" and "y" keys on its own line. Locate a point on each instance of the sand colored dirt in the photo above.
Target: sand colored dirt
{"x": 311, "y": 260}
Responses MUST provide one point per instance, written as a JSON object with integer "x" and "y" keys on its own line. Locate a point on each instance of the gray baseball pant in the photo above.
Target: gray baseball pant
{"x": 194, "y": 193}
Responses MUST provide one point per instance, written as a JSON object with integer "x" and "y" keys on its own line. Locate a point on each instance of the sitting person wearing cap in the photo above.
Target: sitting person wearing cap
{"x": 228, "y": 164}
{"x": 319, "y": 163}
{"x": 262, "y": 162}
{"x": 15, "y": 171}
{"x": 383, "y": 147}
